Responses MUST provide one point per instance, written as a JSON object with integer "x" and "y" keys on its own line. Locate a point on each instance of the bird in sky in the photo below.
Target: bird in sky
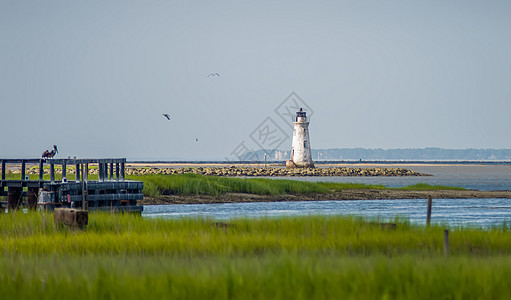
{"x": 196, "y": 139}
{"x": 214, "y": 74}
{"x": 166, "y": 116}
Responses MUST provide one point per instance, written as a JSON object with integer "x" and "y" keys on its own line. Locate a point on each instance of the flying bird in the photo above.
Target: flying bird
{"x": 214, "y": 74}
{"x": 50, "y": 154}
{"x": 196, "y": 139}
{"x": 166, "y": 116}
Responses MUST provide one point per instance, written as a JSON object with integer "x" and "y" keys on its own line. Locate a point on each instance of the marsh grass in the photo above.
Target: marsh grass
{"x": 428, "y": 187}
{"x": 115, "y": 234}
{"x": 324, "y": 257}
{"x": 195, "y": 184}
{"x": 286, "y": 276}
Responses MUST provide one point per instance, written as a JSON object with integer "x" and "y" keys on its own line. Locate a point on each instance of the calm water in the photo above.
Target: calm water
{"x": 473, "y": 177}
{"x": 455, "y": 212}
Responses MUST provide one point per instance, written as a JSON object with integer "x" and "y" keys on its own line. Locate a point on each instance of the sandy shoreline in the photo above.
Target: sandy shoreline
{"x": 363, "y": 194}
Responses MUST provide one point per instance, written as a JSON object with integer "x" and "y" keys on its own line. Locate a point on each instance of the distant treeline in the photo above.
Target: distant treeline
{"x": 387, "y": 154}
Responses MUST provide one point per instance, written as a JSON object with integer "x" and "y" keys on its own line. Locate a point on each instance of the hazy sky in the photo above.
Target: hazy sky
{"x": 94, "y": 77}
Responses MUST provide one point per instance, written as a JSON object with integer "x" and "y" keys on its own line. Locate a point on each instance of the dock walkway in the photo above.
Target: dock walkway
{"x": 25, "y": 182}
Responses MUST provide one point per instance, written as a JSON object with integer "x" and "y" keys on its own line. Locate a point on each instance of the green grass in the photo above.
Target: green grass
{"x": 428, "y": 187}
{"x": 266, "y": 277}
{"x": 194, "y": 184}
{"x": 338, "y": 186}
{"x": 313, "y": 257}
{"x": 115, "y": 234}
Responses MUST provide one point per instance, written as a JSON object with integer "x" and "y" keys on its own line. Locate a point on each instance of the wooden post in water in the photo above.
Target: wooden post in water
{"x": 428, "y": 216}
{"x": 446, "y": 242}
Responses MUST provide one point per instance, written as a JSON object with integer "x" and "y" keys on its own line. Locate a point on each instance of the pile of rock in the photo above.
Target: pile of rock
{"x": 270, "y": 172}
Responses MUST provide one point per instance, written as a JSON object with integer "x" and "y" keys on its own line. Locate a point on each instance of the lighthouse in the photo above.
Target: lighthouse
{"x": 301, "y": 147}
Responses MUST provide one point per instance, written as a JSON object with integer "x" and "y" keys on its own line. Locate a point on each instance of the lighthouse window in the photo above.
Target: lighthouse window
{"x": 305, "y": 144}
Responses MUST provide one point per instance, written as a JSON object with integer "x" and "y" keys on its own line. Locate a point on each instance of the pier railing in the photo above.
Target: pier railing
{"x": 105, "y": 165}
{"x": 110, "y": 190}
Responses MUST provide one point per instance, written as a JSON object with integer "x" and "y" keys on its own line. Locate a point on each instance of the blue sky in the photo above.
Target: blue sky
{"x": 94, "y": 77}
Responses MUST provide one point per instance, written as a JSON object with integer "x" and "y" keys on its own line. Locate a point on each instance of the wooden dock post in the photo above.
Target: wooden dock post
{"x": 64, "y": 165}
{"x": 52, "y": 172}
{"x": 23, "y": 166}
{"x": 77, "y": 172}
{"x": 41, "y": 169}
{"x": 14, "y": 199}
{"x": 73, "y": 218}
{"x": 32, "y": 194}
{"x": 446, "y": 242}
{"x": 428, "y": 216}
{"x": 122, "y": 171}
{"x": 84, "y": 190}
{"x": 101, "y": 172}
{"x": 111, "y": 175}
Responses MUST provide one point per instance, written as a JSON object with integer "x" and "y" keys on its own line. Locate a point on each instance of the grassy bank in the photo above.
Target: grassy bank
{"x": 127, "y": 257}
{"x": 193, "y": 184}
{"x": 115, "y": 234}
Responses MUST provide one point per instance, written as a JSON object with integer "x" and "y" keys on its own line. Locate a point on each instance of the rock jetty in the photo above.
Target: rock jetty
{"x": 276, "y": 172}
{"x": 252, "y": 172}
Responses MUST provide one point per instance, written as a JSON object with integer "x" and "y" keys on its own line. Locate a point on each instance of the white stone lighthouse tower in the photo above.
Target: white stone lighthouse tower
{"x": 301, "y": 147}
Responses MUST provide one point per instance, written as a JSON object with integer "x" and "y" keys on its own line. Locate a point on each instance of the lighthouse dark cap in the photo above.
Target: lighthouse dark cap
{"x": 301, "y": 113}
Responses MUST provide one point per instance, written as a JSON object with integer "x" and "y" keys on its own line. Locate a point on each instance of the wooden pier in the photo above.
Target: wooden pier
{"x": 111, "y": 191}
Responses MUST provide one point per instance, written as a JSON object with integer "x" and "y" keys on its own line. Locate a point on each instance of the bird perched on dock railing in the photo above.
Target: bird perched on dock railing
{"x": 50, "y": 154}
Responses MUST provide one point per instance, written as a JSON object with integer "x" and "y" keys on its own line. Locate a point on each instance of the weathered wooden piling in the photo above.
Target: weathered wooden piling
{"x": 14, "y": 195}
{"x": 3, "y": 170}
{"x": 73, "y": 218}
{"x": 446, "y": 242}
{"x": 428, "y": 216}
{"x": 32, "y": 195}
